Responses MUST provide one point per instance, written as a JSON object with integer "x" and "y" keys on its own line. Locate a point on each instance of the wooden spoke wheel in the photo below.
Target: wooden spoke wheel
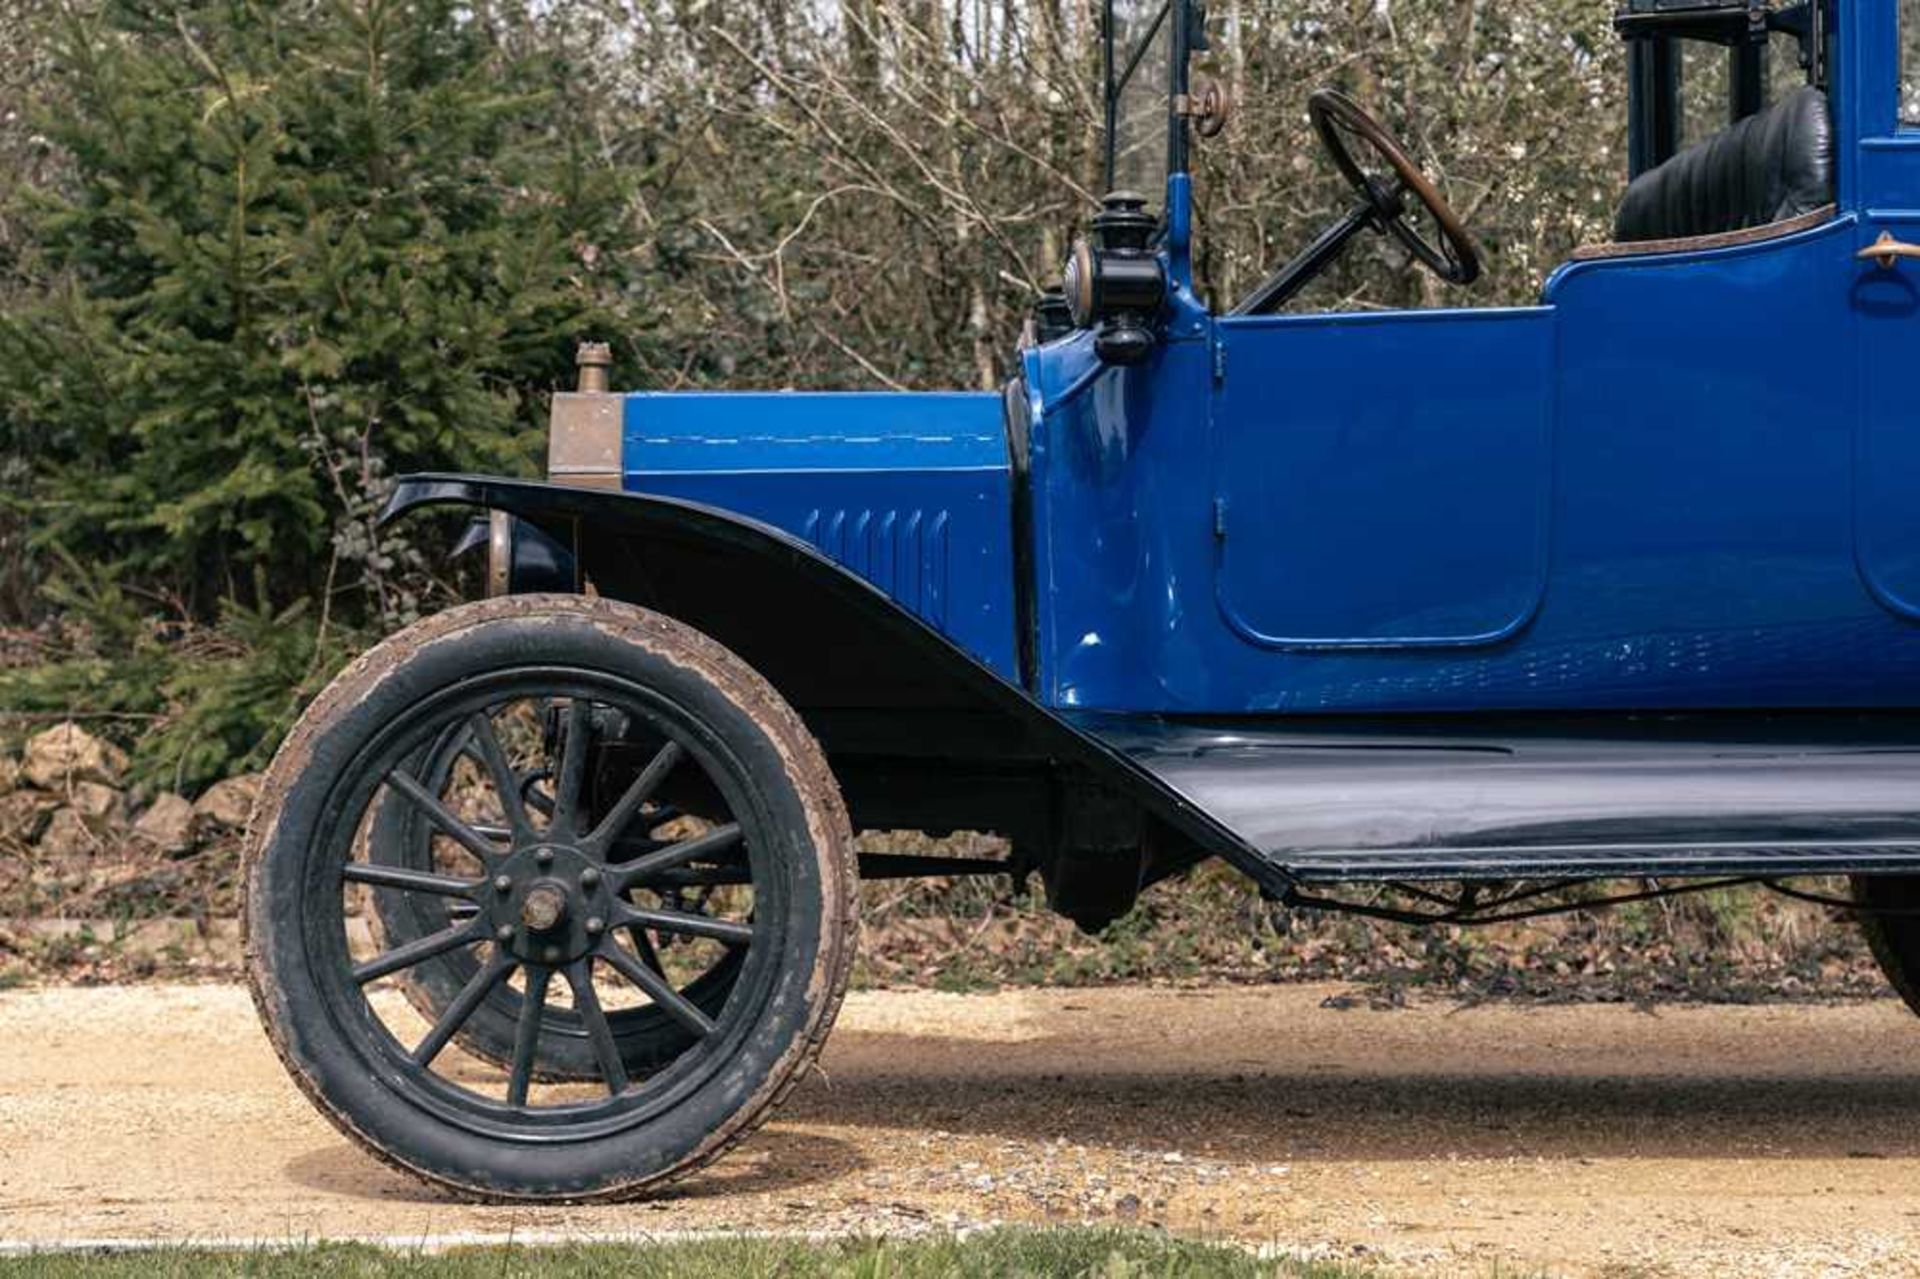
{"x": 459, "y": 770}
{"x": 467, "y": 989}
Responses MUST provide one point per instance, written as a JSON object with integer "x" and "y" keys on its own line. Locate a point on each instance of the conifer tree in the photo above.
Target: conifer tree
{"x": 303, "y": 246}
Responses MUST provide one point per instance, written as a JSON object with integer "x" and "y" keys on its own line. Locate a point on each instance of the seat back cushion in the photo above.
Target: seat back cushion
{"x": 1774, "y": 164}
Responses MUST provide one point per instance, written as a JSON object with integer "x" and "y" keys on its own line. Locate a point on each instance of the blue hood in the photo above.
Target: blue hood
{"x": 913, "y": 491}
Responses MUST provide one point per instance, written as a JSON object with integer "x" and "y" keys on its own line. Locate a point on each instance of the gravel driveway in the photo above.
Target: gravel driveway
{"x": 1577, "y": 1139}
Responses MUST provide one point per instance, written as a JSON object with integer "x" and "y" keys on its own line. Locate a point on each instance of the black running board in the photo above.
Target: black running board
{"x": 1323, "y": 800}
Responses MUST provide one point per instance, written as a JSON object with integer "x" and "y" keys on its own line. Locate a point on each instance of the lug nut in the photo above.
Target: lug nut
{"x": 544, "y": 857}
{"x": 504, "y": 932}
{"x": 589, "y": 877}
{"x": 596, "y": 926}
{"x": 551, "y": 954}
{"x": 503, "y": 883}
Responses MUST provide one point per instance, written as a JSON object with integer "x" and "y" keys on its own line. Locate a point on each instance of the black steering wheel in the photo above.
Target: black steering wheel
{"x": 1384, "y": 182}
{"x": 1336, "y": 118}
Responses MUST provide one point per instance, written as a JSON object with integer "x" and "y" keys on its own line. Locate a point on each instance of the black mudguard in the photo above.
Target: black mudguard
{"x": 832, "y": 643}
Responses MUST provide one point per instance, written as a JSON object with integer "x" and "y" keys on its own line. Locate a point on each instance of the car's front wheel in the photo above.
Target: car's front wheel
{"x": 545, "y": 897}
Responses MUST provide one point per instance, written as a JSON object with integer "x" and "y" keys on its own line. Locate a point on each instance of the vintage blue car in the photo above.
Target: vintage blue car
{"x": 553, "y": 894}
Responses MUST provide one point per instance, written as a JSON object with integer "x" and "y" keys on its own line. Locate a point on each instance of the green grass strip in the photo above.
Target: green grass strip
{"x": 993, "y": 1254}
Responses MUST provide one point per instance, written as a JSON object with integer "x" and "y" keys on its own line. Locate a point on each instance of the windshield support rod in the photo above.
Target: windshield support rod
{"x": 1308, "y": 263}
{"x": 1140, "y": 50}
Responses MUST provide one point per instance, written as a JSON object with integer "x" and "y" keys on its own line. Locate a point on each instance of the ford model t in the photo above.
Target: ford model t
{"x": 552, "y": 895}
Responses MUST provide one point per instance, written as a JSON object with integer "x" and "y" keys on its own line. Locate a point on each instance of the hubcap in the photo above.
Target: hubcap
{"x": 549, "y": 904}
{"x": 544, "y": 906}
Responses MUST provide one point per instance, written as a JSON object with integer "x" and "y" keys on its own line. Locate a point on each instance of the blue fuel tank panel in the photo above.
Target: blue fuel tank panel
{"x": 912, "y": 492}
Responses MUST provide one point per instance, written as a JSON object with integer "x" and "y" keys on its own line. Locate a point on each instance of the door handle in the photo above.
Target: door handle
{"x": 1884, "y": 250}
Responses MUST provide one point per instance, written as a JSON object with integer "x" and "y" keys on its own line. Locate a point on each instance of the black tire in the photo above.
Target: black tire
{"x": 1894, "y": 939}
{"x": 541, "y": 897}
{"x": 647, "y": 1037}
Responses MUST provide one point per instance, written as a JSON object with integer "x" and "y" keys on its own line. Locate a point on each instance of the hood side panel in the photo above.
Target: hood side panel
{"x": 911, "y": 491}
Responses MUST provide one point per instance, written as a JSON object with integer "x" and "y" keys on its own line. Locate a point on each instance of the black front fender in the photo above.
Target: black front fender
{"x": 832, "y": 643}
{"x": 824, "y": 635}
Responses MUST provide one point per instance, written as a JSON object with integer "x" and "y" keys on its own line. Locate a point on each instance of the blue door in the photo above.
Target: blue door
{"x": 1690, "y": 479}
{"x": 1686, "y": 480}
{"x": 1383, "y": 479}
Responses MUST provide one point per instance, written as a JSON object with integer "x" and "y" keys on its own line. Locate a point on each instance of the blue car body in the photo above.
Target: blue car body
{"x": 1477, "y": 607}
{"x": 1651, "y": 546}
{"x": 1684, "y": 480}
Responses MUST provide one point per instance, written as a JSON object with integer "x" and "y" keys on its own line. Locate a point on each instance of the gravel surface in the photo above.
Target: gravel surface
{"x": 1588, "y": 1139}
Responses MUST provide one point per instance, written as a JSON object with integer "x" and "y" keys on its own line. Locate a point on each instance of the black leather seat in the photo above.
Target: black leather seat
{"x": 1775, "y": 164}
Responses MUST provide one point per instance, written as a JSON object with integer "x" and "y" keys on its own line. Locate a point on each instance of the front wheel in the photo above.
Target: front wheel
{"x": 539, "y": 892}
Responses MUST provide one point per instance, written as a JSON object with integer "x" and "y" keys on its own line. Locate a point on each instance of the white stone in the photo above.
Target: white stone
{"x": 96, "y": 801}
{"x": 68, "y": 837}
{"x": 167, "y": 824}
{"x": 67, "y": 753}
{"x": 229, "y": 803}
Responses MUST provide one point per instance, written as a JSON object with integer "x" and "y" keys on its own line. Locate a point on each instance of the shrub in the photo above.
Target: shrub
{"x": 301, "y": 245}
{"x": 294, "y": 248}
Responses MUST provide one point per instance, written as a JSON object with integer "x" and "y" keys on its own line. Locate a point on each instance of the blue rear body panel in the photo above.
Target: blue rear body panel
{"x": 912, "y": 492}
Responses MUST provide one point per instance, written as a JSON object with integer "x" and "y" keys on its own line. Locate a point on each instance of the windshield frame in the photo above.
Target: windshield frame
{"x": 1121, "y": 66}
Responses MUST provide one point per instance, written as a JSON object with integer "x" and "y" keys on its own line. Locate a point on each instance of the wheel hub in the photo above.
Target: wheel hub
{"x": 549, "y": 904}
{"x": 544, "y": 906}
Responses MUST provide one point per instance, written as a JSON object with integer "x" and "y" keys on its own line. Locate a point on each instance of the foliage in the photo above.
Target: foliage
{"x": 294, "y": 249}
{"x": 874, "y": 194}
{"x": 1729, "y": 945}
{"x": 300, "y": 245}
{"x": 1724, "y": 946}
{"x": 1516, "y": 109}
{"x": 204, "y": 702}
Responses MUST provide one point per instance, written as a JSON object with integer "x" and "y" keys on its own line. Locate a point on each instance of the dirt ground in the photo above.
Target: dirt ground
{"x": 1586, "y": 1139}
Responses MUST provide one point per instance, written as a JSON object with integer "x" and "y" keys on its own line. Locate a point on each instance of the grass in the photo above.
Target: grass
{"x": 1055, "y": 1254}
